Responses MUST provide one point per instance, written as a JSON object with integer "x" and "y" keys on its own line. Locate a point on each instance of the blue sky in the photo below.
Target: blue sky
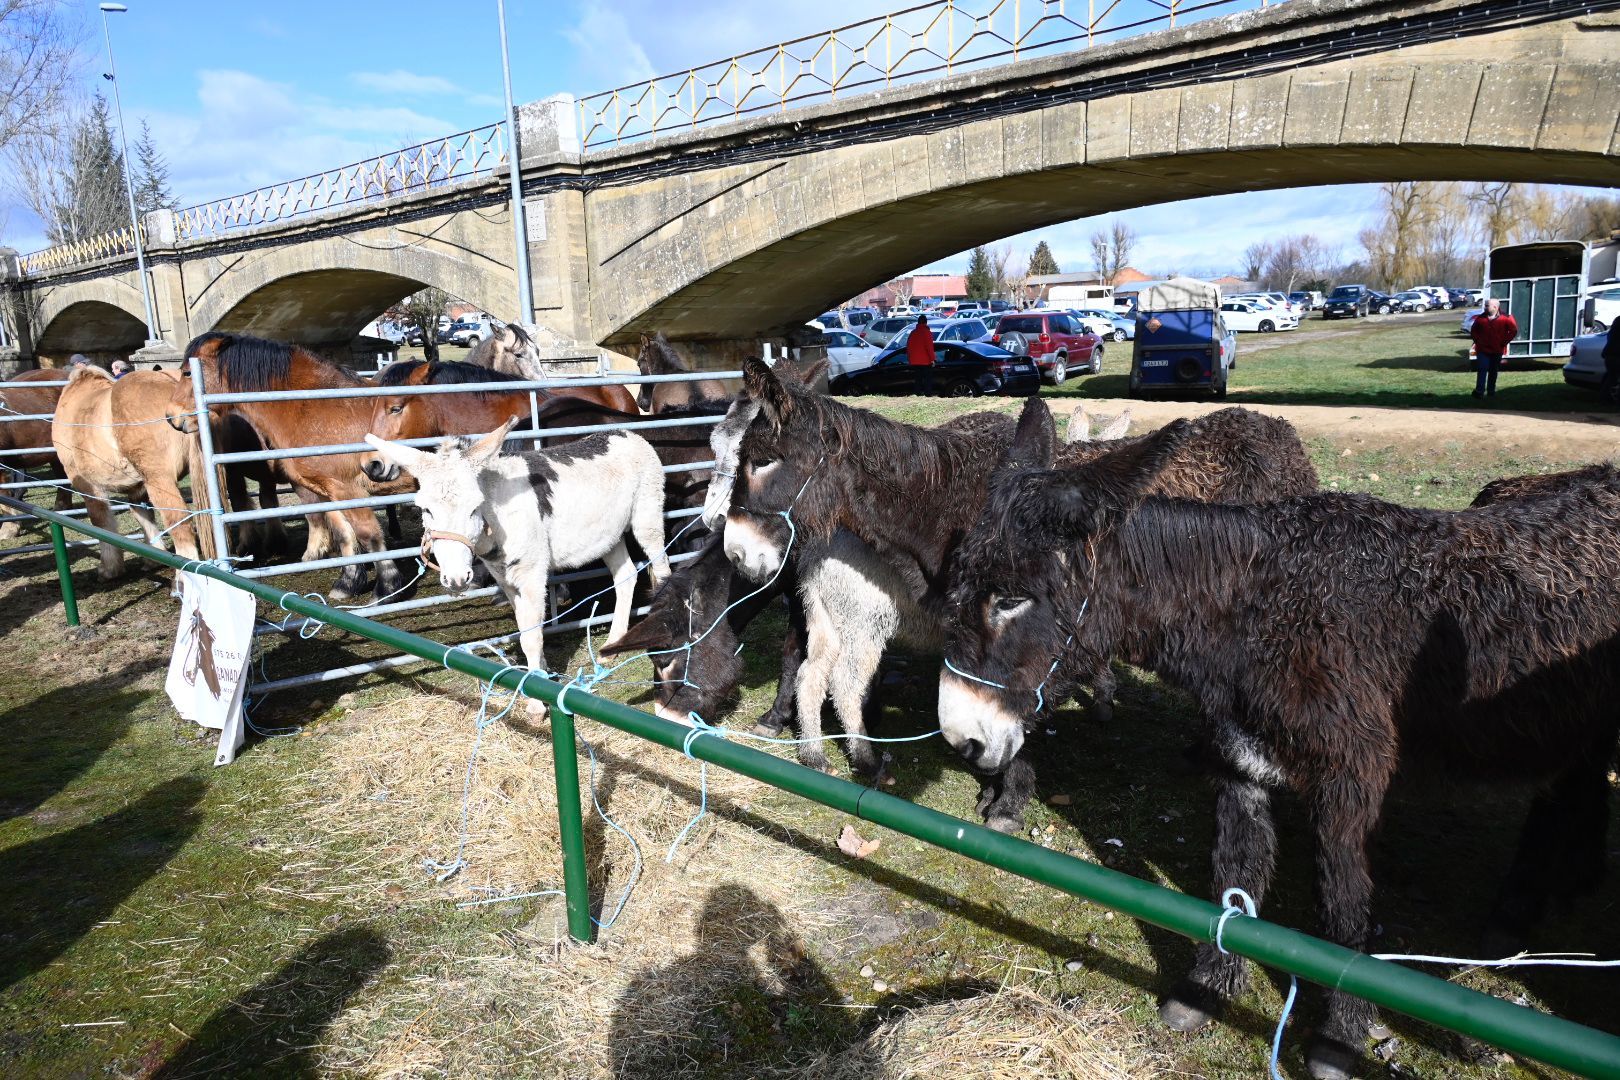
{"x": 242, "y": 95}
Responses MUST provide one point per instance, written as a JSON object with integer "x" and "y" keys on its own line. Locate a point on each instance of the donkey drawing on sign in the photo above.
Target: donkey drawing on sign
{"x": 1329, "y": 639}
{"x": 524, "y": 515}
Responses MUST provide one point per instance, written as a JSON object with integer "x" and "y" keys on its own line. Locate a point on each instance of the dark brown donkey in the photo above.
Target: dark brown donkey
{"x": 1329, "y": 639}
{"x": 234, "y": 363}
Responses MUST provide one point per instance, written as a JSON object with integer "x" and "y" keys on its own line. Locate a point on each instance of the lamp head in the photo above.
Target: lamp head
{"x": 114, "y": 7}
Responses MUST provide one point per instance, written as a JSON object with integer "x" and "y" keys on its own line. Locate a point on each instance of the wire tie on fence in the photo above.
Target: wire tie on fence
{"x": 1231, "y": 900}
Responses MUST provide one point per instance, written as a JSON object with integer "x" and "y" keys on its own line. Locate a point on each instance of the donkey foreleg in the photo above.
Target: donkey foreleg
{"x": 854, "y": 672}
{"x": 781, "y": 713}
{"x": 529, "y": 605}
{"x": 815, "y": 673}
{"x": 1004, "y": 797}
{"x": 1245, "y": 853}
{"x": 622, "y": 569}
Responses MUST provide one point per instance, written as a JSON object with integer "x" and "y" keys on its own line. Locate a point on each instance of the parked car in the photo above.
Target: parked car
{"x": 1459, "y": 297}
{"x": 1475, "y": 296}
{"x": 1114, "y": 326}
{"x": 1585, "y": 367}
{"x": 1347, "y": 302}
{"x": 961, "y": 369}
{"x": 1248, "y": 315}
{"x": 1302, "y": 301}
{"x": 1100, "y": 325}
{"x": 1411, "y": 300}
{"x": 846, "y": 352}
{"x": 1053, "y": 340}
{"x": 1001, "y": 305}
{"x": 469, "y": 332}
{"x": 1604, "y": 299}
{"x": 1439, "y": 299}
{"x": 902, "y": 309}
{"x": 882, "y": 331}
{"x": 967, "y": 306}
{"x": 945, "y": 330}
{"x": 1469, "y": 317}
{"x": 1184, "y": 342}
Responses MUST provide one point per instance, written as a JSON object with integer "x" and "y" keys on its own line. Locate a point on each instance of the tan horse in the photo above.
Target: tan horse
{"x": 114, "y": 443}
{"x": 658, "y": 357}
{"x": 22, "y": 434}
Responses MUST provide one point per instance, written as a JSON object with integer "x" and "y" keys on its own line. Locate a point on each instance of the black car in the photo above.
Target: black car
{"x": 961, "y": 369}
{"x": 1348, "y": 302}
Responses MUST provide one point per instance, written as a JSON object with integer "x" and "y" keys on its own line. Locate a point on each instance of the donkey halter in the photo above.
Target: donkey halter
{"x": 430, "y": 535}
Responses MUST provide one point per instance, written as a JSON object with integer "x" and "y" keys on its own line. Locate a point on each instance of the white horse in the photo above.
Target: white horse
{"x": 526, "y": 514}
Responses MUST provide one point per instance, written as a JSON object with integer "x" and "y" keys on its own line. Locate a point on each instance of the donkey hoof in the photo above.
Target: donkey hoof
{"x": 1102, "y": 712}
{"x": 1180, "y": 1012}
{"x": 105, "y": 574}
{"x": 1330, "y": 1060}
{"x": 770, "y": 724}
{"x": 341, "y": 595}
{"x": 817, "y": 762}
{"x": 537, "y": 709}
{"x": 1001, "y": 823}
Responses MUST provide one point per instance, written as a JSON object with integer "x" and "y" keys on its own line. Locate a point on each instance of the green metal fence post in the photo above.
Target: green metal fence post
{"x": 64, "y": 574}
{"x": 571, "y": 825}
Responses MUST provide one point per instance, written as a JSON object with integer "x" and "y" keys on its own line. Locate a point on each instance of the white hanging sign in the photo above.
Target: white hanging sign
{"x": 208, "y": 671}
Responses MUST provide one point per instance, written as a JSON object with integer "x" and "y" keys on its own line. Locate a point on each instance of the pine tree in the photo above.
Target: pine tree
{"x": 981, "y": 275}
{"x": 1041, "y": 261}
{"x": 152, "y": 175}
{"x": 94, "y": 200}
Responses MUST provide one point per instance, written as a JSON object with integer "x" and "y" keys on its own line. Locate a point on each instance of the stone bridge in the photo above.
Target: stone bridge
{"x": 726, "y": 234}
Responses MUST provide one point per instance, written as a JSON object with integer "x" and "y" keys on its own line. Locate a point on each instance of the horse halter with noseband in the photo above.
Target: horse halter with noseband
{"x": 430, "y": 535}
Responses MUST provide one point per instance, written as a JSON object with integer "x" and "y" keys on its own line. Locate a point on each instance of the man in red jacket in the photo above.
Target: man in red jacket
{"x": 1491, "y": 332}
{"x": 920, "y": 353}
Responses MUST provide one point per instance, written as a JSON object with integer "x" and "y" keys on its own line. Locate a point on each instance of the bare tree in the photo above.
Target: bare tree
{"x": 1111, "y": 250}
{"x": 1255, "y": 258}
{"x": 900, "y": 288}
{"x": 1015, "y": 276}
{"x": 1496, "y": 208}
{"x": 423, "y": 311}
{"x": 1001, "y": 257}
{"x": 39, "y": 61}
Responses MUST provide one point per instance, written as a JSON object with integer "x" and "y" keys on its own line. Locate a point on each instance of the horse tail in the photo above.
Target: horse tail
{"x": 199, "y": 495}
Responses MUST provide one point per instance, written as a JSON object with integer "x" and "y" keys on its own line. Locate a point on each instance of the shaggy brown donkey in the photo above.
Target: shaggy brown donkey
{"x": 1229, "y": 456}
{"x": 1328, "y": 638}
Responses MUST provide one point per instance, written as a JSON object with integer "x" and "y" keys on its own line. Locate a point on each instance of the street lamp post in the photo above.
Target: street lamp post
{"x": 520, "y": 228}
{"x": 129, "y": 182}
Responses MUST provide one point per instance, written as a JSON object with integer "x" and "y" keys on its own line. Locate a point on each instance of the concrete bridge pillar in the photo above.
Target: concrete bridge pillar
{"x": 559, "y": 258}
{"x": 168, "y": 292}
{"x": 16, "y": 348}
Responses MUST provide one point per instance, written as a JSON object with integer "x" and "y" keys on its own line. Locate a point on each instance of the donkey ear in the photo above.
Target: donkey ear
{"x": 1032, "y": 444}
{"x": 481, "y": 452}
{"x": 762, "y": 384}
{"x": 408, "y": 458}
{"x": 1079, "y": 426}
{"x": 652, "y": 634}
{"x": 1098, "y": 494}
{"x": 1116, "y": 428}
{"x": 804, "y": 372}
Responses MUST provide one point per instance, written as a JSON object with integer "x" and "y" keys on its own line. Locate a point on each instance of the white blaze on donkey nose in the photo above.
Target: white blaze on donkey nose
{"x": 971, "y": 714}
{"x": 750, "y": 550}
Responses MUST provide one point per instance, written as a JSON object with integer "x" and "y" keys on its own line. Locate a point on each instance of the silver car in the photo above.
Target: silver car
{"x": 1585, "y": 367}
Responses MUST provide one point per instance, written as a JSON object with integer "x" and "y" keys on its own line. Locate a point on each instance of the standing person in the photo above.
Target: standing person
{"x": 1611, "y": 364}
{"x": 120, "y": 368}
{"x": 920, "y": 353}
{"x": 1491, "y": 332}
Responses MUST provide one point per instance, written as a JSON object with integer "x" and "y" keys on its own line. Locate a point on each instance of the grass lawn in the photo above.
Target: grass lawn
{"x": 164, "y": 918}
{"x": 1393, "y": 361}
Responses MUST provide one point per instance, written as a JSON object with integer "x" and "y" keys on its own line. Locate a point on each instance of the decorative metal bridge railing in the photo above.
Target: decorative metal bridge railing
{"x": 939, "y": 38}
{"x": 91, "y": 249}
{"x": 415, "y": 168}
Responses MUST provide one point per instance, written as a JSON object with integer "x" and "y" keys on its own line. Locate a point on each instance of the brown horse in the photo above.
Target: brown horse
{"x": 451, "y": 372}
{"x": 658, "y": 357}
{"x": 113, "y": 443}
{"x": 234, "y": 363}
{"x": 24, "y": 434}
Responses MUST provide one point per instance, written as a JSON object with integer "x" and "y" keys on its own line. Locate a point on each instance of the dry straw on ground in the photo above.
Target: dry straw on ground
{"x": 712, "y": 969}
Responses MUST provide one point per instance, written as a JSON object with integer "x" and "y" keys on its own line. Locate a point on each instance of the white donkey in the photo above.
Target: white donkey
{"x": 526, "y": 514}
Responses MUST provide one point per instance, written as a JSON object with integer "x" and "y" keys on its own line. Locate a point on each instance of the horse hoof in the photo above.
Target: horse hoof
{"x": 1328, "y": 1060}
{"x": 342, "y": 596}
{"x": 1182, "y": 1015}
{"x": 1001, "y": 823}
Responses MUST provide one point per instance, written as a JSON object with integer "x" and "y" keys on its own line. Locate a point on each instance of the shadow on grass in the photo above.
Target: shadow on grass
{"x": 58, "y": 888}
{"x": 56, "y": 737}
{"x": 275, "y": 1029}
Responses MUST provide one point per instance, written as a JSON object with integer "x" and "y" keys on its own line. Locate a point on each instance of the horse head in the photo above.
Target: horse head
{"x": 455, "y": 510}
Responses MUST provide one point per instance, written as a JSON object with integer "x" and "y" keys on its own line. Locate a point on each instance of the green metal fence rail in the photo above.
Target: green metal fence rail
{"x": 1514, "y": 1028}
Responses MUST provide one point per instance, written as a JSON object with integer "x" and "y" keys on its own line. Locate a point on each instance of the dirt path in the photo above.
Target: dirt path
{"x": 1560, "y": 436}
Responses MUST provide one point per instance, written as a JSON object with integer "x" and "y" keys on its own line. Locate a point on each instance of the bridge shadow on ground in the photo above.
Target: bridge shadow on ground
{"x": 59, "y": 887}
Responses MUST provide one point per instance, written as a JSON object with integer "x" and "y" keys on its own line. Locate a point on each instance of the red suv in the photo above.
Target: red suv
{"x": 1055, "y": 341}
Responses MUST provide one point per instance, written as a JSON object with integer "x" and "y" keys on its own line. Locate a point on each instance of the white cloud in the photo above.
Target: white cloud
{"x": 602, "y": 32}
{"x": 413, "y": 84}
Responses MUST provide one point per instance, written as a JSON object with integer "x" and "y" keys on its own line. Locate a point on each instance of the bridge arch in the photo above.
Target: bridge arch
{"x": 744, "y": 249}
{"x": 100, "y": 315}
{"x": 325, "y": 290}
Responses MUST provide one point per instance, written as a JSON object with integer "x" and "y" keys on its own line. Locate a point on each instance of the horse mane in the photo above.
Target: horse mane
{"x": 248, "y": 364}
{"x": 86, "y": 371}
{"x": 658, "y": 357}
{"x": 443, "y": 373}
